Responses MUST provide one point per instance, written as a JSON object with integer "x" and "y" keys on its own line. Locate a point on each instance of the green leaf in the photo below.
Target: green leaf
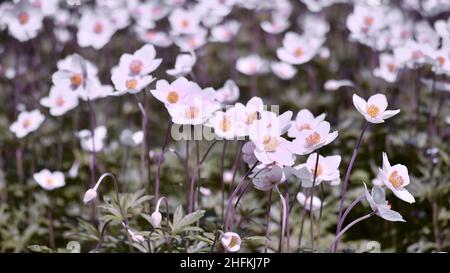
{"x": 187, "y": 220}
{"x": 177, "y": 216}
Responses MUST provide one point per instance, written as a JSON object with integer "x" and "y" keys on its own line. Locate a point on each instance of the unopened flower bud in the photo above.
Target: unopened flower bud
{"x": 156, "y": 218}
{"x": 90, "y": 195}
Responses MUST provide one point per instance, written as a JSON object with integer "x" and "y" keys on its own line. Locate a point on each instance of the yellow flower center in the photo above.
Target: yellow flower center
{"x": 304, "y": 126}
{"x": 441, "y": 60}
{"x": 98, "y": 28}
{"x": 392, "y": 67}
{"x": 136, "y": 67}
{"x": 131, "y": 84}
{"x": 50, "y": 181}
{"x": 270, "y": 143}
{"x": 225, "y": 124}
{"x": 23, "y": 18}
{"x": 319, "y": 170}
{"x": 192, "y": 112}
{"x": 395, "y": 179}
{"x": 233, "y": 241}
{"x": 298, "y": 52}
{"x": 26, "y": 123}
{"x": 313, "y": 139}
{"x": 372, "y": 110}
{"x": 184, "y": 23}
{"x": 368, "y": 20}
{"x": 76, "y": 80}
{"x": 173, "y": 97}
{"x": 60, "y": 101}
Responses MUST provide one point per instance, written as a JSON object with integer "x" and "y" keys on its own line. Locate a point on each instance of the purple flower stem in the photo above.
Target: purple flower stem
{"x": 222, "y": 184}
{"x": 227, "y": 225}
{"x": 347, "y": 177}
{"x": 160, "y": 158}
{"x": 311, "y": 197}
{"x": 269, "y": 206}
{"x": 194, "y": 176}
{"x": 350, "y": 225}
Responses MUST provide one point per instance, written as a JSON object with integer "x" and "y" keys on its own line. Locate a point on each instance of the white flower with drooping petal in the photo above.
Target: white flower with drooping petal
{"x": 49, "y": 180}
{"x": 252, "y": 64}
{"x": 388, "y": 68}
{"x": 378, "y": 203}
{"x": 229, "y": 93}
{"x": 94, "y": 29}
{"x": 305, "y": 202}
{"x": 267, "y": 177}
{"x": 26, "y": 123}
{"x": 183, "y": 65}
{"x": 298, "y": 49}
{"x": 225, "y": 32}
{"x": 327, "y": 170}
{"x": 94, "y": 143}
{"x": 374, "y": 109}
{"x": 270, "y": 147}
{"x": 309, "y": 140}
{"x": 283, "y": 70}
{"x": 396, "y": 178}
{"x": 248, "y": 153}
{"x": 304, "y": 120}
{"x": 184, "y": 22}
{"x": 231, "y": 241}
{"x": 60, "y": 101}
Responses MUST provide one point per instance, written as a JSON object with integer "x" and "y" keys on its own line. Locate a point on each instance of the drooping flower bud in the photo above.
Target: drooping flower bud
{"x": 90, "y": 195}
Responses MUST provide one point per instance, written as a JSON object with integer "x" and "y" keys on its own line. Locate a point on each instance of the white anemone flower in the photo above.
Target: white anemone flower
{"x": 49, "y": 180}
{"x": 374, "y": 109}
{"x": 26, "y": 123}
{"x": 396, "y": 178}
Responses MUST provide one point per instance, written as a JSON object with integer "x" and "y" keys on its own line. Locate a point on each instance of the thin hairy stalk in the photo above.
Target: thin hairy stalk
{"x": 351, "y": 225}
{"x": 347, "y": 177}
{"x": 227, "y": 225}
{"x": 269, "y": 206}
{"x": 102, "y": 236}
{"x": 51, "y": 234}
{"x": 222, "y": 184}
{"x": 288, "y": 232}
{"x": 300, "y": 236}
{"x": 320, "y": 210}
{"x": 92, "y": 125}
{"x": 194, "y": 176}
{"x": 160, "y": 158}
{"x": 311, "y": 196}
{"x": 236, "y": 162}
{"x": 146, "y": 141}
{"x": 350, "y": 207}
{"x": 283, "y": 225}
